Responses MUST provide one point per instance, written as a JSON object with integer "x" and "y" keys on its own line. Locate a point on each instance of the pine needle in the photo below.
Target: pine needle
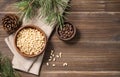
{"x": 6, "y": 69}
{"x": 50, "y": 9}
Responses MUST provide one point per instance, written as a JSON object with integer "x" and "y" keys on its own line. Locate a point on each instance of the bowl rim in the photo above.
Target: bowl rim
{"x": 66, "y": 39}
{"x": 34, "y": 27}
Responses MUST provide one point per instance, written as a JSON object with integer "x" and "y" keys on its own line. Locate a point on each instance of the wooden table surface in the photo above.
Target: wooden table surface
{"x": 94, "y": 52}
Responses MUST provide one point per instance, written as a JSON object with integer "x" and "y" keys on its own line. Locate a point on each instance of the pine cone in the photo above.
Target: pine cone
{"x": 10, "y": 23}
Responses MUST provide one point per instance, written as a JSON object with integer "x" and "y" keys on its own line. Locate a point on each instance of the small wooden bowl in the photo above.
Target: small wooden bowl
{"x": 33, "y": 27}
{"x": 69, "y": 38}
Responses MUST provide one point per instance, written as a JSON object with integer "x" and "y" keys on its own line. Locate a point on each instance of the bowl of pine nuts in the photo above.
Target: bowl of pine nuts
{"x": 30, "y": 41}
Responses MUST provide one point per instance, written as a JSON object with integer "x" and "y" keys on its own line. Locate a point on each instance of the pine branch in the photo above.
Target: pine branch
{"x": 50, "y": 9}
{"x": 6, "y": 69}
{"x": 28, "y": 7}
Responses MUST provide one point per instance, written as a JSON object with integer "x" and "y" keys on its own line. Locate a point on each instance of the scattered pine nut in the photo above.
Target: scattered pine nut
{"x": 65, "y": 64}
{"x": 53, "y": 65}
{"x": 53, "y": 55}
{"x": 60, "y": 54}
{"x": 52, "y": 51}
{"x": 54, "y": 59}
{"x": 47, "y": 64}
{"x": 57, "y": 56}
{"x": 49, "y": 59}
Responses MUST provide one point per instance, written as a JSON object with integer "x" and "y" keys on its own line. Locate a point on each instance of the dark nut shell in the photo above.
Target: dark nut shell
{"x": 67, "y": 33}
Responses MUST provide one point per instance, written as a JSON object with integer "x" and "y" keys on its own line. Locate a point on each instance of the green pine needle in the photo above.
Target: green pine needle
{"x": 28, "y": 7}
{"x": 6, "y": 69}
{"x": 50, "y": 9}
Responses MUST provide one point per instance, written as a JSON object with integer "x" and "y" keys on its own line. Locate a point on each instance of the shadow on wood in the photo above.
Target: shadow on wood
{"x": 48, "y": 51}
{"x": 75, "y": 39}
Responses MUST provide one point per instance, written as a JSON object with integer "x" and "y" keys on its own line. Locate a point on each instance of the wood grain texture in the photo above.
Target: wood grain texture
{"x": 95, "y": 50}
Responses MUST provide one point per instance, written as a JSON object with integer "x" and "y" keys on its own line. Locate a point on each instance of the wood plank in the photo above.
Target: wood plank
{"x": 87, "y": 5}
{"x": 95, "y": 5}
{"x": 8, "y": 5}
{"x": 81, "y": 74}
{"x": 75, "y": 73}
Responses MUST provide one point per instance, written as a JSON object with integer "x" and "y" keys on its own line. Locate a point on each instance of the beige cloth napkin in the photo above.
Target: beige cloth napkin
{"x": 30, "y": 65}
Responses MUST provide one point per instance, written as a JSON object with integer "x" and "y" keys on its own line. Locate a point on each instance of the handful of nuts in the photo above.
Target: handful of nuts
{"x": 30, "y": 41}
{"x": 67, "y": 32}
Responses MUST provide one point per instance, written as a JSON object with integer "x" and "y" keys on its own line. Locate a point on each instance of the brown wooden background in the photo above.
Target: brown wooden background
{"x": 95, "y": 51}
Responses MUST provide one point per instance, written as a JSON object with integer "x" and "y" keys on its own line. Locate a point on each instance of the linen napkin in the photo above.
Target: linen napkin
{"x": 30, "y": 65}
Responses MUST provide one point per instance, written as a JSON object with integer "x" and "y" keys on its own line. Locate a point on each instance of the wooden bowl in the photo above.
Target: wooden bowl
{"x": 32, "y": 27}
{"x": 68, "y": 38}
